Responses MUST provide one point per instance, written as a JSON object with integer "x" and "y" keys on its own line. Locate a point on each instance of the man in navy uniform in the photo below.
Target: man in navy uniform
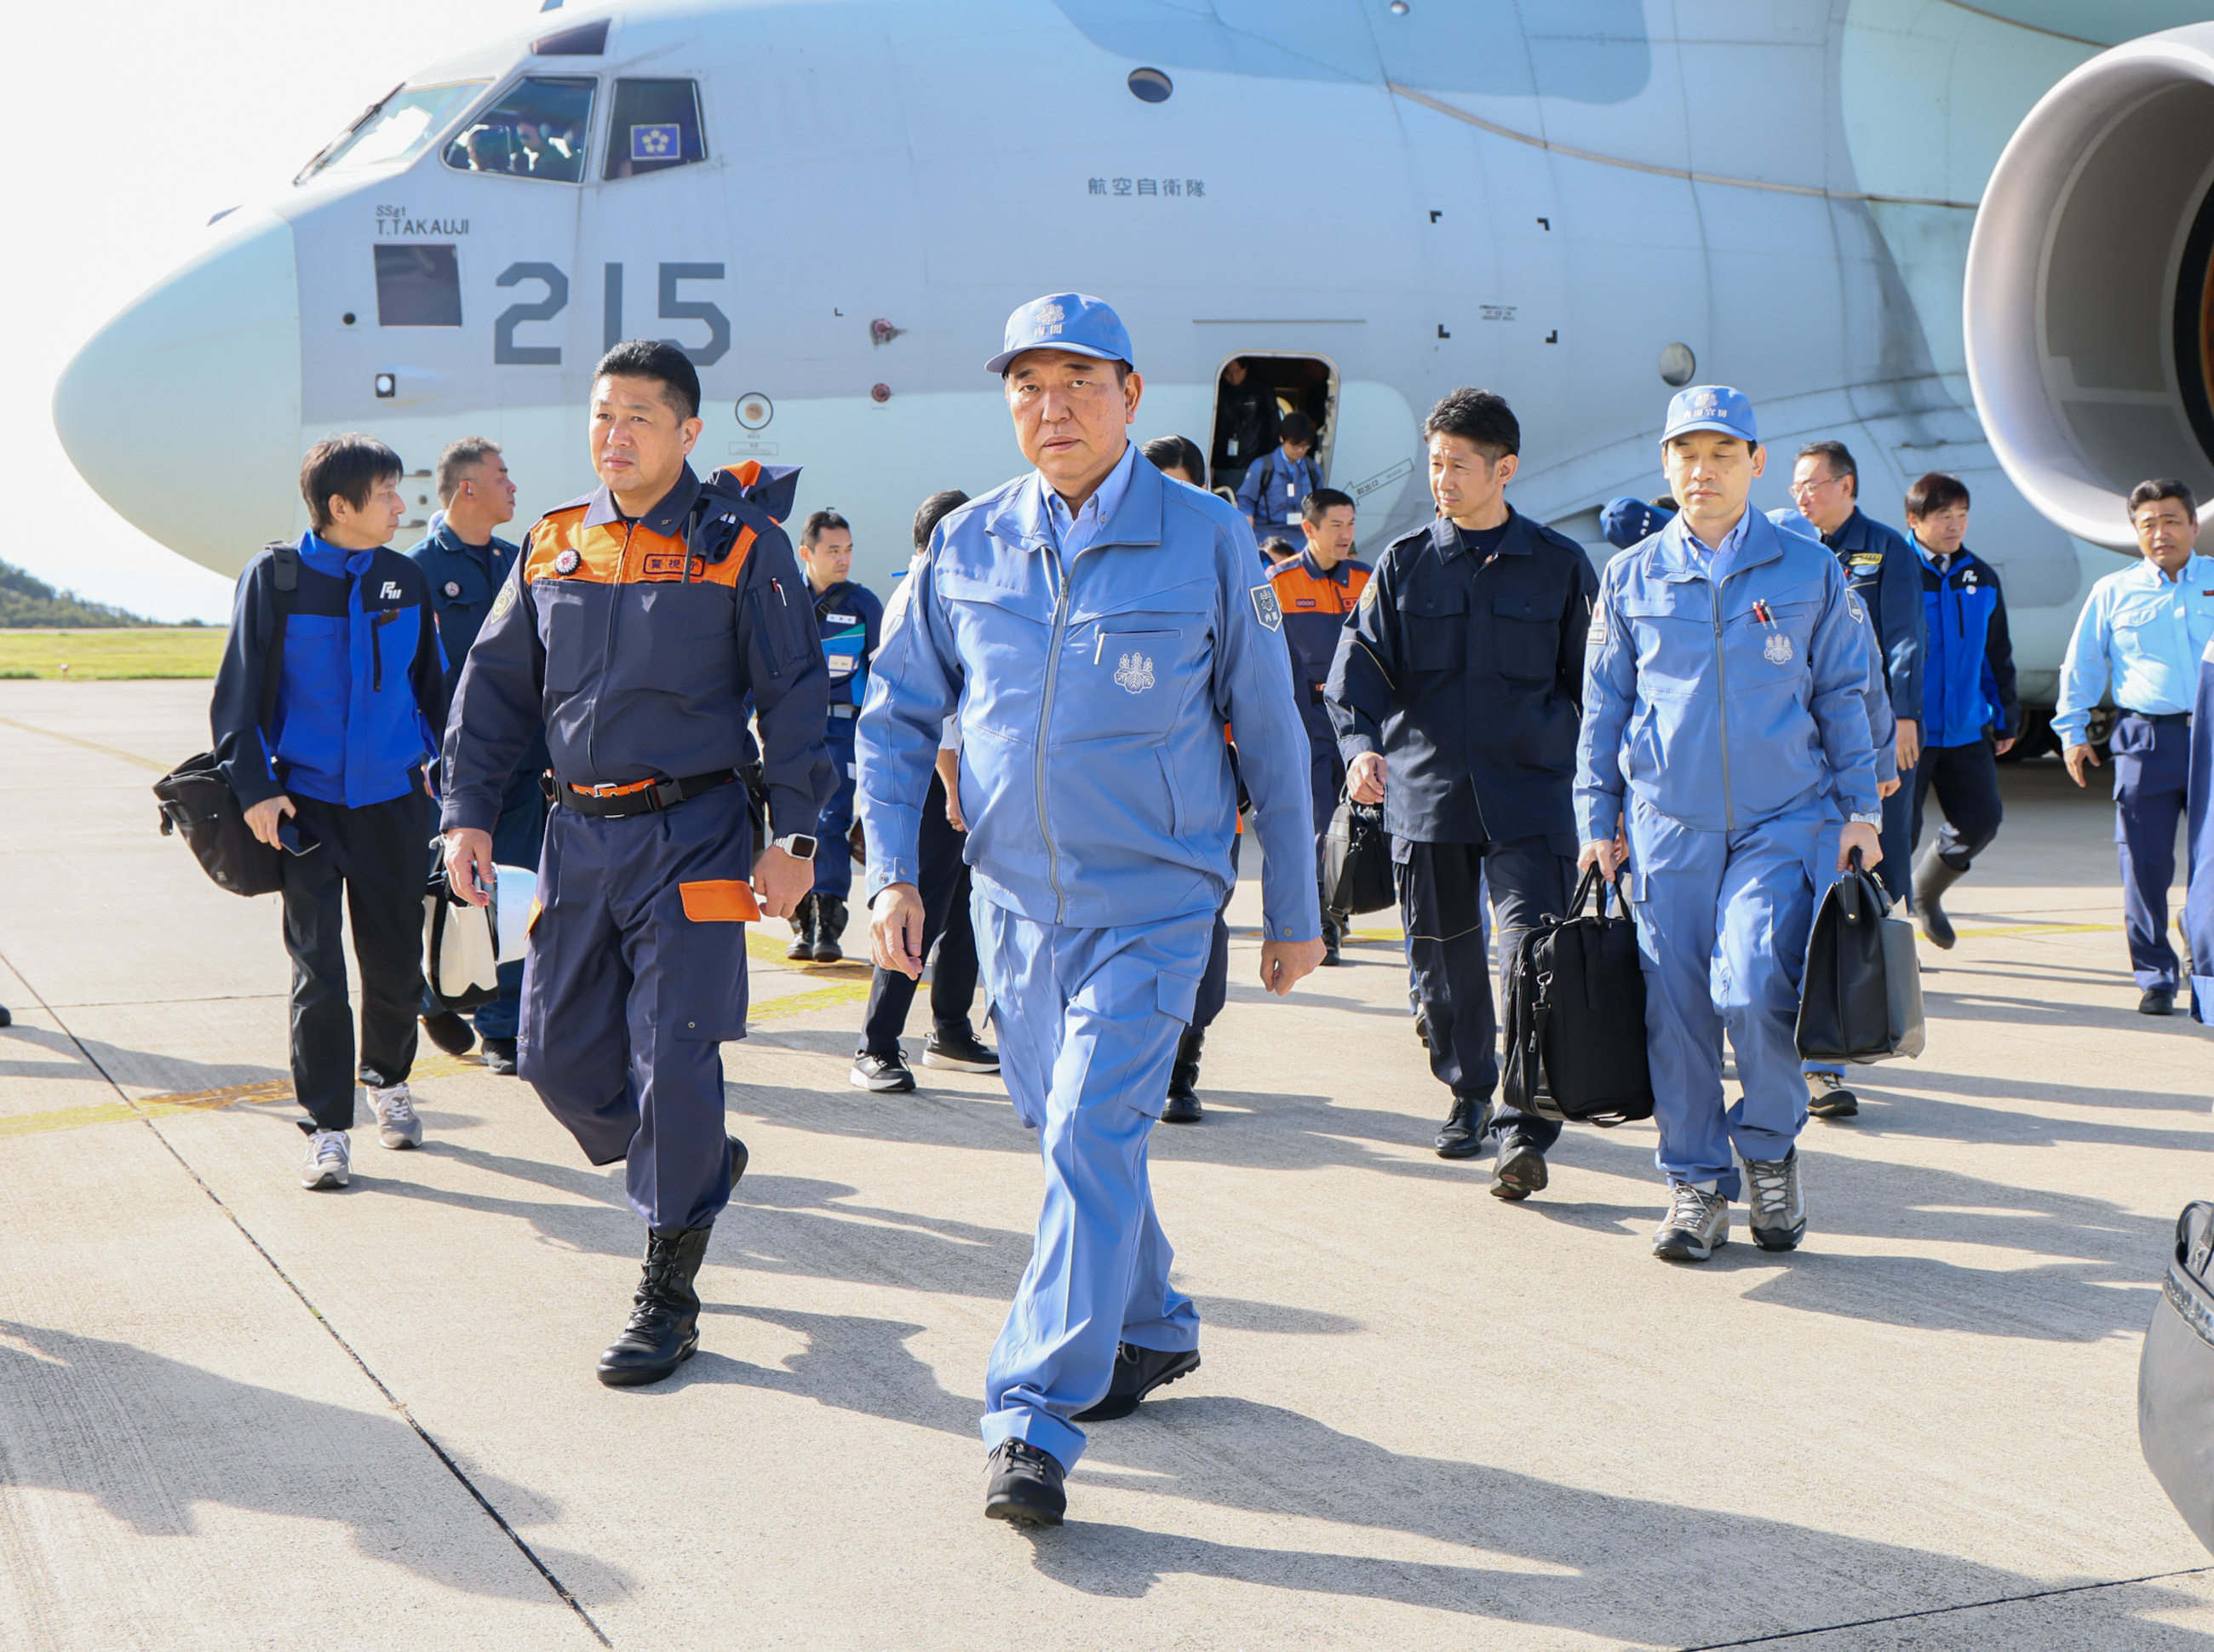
{"x": 2143, "y": 629}
{"x": 1886, "y": 576}
{"x": 467, "y": 563}
{"x": 1726, "y": 731}
{"x": 1095, "y": 625}
{"x": 636, "y": 623}
{"x": 848, "y": 615}
{"x": 1455, "y": 695}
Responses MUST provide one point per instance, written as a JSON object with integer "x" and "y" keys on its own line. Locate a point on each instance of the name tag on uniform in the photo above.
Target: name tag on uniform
{"x": 842, "y": 618}
{"x": 1866, "y": 559}
{"x": 840, "y": 664}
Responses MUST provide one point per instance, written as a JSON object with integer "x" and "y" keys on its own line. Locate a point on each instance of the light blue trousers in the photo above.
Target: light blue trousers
{"x": 1088, "y": 1021}
{"x": 1721, "y": 922}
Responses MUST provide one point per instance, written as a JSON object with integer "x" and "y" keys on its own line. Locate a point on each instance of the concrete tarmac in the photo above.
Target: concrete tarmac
{"x": 235, "y": 1414}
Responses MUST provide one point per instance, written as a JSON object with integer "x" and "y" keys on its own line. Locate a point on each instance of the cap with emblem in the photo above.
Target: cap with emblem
{"x": 1712, "y": 407}
{"x": 1064, "y": 321}
{"x": 1625, "y": 522}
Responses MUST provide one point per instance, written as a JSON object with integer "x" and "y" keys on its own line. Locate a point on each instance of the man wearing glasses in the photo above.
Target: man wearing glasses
{"x": 1887, "y": 576}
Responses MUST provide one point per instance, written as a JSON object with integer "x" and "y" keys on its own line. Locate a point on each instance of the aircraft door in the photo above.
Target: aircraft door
{"x": 1254, "y": 392}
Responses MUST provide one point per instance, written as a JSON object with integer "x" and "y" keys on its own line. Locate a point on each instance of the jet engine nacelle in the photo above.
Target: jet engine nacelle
{"x": 2090, "y": 290}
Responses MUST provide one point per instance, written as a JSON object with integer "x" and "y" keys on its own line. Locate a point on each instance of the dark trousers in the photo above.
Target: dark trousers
{"x": 1214, "y": 985}
{"x": 516, "y": 838}
{"x": 1326, "y": 770}
{"x": 1441, "y": 900}
{"x": 1966, "y": 781}
{"x": 942, "y": 879}
{"x": 1896, "y": 836}
{"x": 833, "y": 855}
{"x": 2152, "y": 762}
{"x": 374, "y": 861}
{"x": 635, "y": 975}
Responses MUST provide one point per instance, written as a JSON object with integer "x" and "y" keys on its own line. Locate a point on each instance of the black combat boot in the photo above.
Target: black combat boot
{"x": 829, "y": 924}
{"x": 1333, "y": 930}
{"x": 664, "y": 1322}
{"x": 1933, "y": 876}
{"x": 1184, "y": 1080}
{"x": 801, "y": 949}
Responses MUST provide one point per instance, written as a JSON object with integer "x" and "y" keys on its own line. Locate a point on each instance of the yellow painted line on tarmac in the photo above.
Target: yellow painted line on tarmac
{"x": 2043, "y": 929}
{"x": 90, "y": 745}
{"x": 823, "y": 998}
{"x": 767, "y": 949}
{"x": 195, "y": 1101}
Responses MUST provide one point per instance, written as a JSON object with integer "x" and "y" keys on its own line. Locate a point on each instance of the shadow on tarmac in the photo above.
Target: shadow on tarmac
{"x": 148, "y": 1438}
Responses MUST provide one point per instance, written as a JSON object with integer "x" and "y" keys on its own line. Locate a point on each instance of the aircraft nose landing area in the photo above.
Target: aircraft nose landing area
{"x": 1425, "y": 1417}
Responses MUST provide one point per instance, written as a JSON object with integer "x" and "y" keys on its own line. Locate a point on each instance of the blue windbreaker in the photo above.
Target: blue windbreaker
{"x": 1968, "y": 664}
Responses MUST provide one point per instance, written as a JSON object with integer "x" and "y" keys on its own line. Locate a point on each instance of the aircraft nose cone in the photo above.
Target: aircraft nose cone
{"x": 183, "y": 413}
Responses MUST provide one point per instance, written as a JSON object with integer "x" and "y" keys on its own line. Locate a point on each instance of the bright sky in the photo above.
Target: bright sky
{"x": 129, "y": 126}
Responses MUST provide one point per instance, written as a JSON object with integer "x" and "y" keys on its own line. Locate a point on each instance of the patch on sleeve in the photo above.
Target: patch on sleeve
{"x": 1853, "y": 606}
{"x": 505, "y": 600}
{"x": 1265, "y": 608}
{"x": 1367, "y": 594}
{"x": 1596, "y": 636}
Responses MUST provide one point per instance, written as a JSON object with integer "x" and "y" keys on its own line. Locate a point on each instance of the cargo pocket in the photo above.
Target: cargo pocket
{"x": 721, "y": 900}
{"x": 1175, "y": 995}
{"x": 711, "y": 960}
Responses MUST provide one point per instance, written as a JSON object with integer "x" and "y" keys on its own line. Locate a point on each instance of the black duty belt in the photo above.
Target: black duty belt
{"x": 637, "y": 797}
{"x": 2162, "y": 720}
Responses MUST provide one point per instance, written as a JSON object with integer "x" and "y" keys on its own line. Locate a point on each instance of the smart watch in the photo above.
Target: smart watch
{"x": 800, "y": 846}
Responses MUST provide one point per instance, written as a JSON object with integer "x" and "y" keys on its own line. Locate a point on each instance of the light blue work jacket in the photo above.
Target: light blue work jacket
{"x": 1093, "y": 687}
{"x": 1724, "y": 704}
{"x": 2148, "y": 632}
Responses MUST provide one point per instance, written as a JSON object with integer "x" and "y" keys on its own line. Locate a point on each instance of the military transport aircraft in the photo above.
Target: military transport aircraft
{"x": 832, "y": 205}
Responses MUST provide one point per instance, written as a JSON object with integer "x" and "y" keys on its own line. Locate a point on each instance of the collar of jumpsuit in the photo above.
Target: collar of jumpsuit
{"x": 667, "y": 517}
{"x": 1074, "y": 530}
{"x": 1692, "y": 557}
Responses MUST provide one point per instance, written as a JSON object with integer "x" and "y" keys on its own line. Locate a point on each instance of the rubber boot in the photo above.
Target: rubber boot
{"x": 664, "y": 1322}
{"x": 801, "y": 949}
{"x": 1184, "y": 1080}
{"x": 1332, "y": 937}
{"x": 829, "y": 924}
{"x": 1933, "y": 876}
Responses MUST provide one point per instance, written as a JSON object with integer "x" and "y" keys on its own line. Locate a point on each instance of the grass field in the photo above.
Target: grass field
{"x": 93, "y": 655}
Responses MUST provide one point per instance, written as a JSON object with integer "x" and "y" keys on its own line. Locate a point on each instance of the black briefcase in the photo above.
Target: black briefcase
{"x": 1859, "y": 998}
{"x": 198, "y": 806}
{"x": 1576, "y": 1015}
{"x": 2176, "y": 1376}
{"x": 1357, "y": 860}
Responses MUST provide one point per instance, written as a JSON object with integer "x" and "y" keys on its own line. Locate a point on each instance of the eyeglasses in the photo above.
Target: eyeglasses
{"x": 1812, "y": 485}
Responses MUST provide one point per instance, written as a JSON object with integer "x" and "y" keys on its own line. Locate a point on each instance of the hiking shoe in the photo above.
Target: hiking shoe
{"x": 397, "y": 1123}
{"x": 1827, "y": 1097}
{"x": 959, "y": 1050}
{"x": 1778, "y": 1213}
{"x": 1461, "y": 1136}
{"x": 1521, "y": 1170}
{"x": 883, "y": 1073}
{"x": 499, "y": 1055}
{"x": 450, "y": 1032}
{"x": 330, "y": 1161}
{"x": 1696, "y": 1226}
{"x": 1025, "y": 1485}
{"x": 1138, "y": 1372}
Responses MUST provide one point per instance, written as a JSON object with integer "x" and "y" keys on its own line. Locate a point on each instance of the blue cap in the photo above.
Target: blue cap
{"x": 1064, "y": 321}
{"x": 1712, "y": 407}
{"x": 1626, "y": 522}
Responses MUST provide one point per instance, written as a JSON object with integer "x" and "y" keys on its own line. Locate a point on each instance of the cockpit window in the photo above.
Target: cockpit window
{"x": 536, "y": 130}
{"x": 395, "y": 130}
{"x": 655, "y": 125}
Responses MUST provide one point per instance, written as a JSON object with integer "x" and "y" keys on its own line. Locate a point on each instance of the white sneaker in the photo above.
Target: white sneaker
{"x": 330, "y": 1161}
{"x": 397, "y": 1123}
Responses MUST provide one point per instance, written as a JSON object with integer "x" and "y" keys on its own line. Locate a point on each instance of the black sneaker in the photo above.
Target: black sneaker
{"x": 883, "y": 1073}
{"x": 1521, "y": 1170}
{"x": 1138, "y": 1372}
{"x": 1332, "y": 939}
{"x": 450, "y": 1032}
{"x": 499, "y": 1055}
{"x": 1461, "y": 1136}
{"x": 1024, "y": 1485}
{"x": 959, "y": 1050}
{"x": 1827, "y": 1097}
{"x": 2157, "y": 1000}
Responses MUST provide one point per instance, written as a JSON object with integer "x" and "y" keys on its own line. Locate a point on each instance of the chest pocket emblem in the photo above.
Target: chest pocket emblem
{"x": 567, "y": 562}
{"x": 452, "y": 588}
{"x": 1135, "y": 673}
{"x": 1779, "y": 650}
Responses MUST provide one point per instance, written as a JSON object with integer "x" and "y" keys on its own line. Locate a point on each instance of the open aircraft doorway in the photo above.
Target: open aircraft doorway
{"x": 1253, "y": 392}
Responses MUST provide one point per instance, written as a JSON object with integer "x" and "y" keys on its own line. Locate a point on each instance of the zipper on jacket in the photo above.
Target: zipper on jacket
{"x": 1045, "y": 720}
{"x": 614, "y": 601}
{"x": 1722, "y": 691}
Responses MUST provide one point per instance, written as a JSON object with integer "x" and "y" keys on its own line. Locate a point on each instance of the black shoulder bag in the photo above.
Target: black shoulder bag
{"x": 1576, "y": 1015}
{"x": 196, "y": 802}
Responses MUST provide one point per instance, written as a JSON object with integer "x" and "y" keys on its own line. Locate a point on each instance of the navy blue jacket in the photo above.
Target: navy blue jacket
{"x": 1967, "y": 685}
{"x": 464, "y": 578}
{"x": 364, "y": 689}
{"x": 851, "y": 620}
{"x": 1470, "y": 681}
{"x": 1884, "y": 572}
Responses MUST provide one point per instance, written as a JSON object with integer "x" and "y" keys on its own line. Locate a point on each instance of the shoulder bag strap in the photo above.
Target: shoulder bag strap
{"x": 286, "y": 558}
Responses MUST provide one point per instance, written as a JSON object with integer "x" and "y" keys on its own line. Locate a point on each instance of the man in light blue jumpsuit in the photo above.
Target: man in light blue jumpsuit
{"x": 1726, "y": 728}
{"x": 1094, "y": 627}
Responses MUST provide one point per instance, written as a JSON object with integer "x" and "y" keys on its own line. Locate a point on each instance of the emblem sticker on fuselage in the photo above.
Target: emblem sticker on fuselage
{"x": 1265, "y": 608}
